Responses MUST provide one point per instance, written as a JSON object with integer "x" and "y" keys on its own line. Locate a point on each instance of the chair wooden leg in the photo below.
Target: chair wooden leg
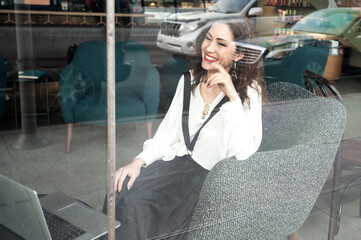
{"x": 149, "y": 129}
{"x": 334, "y": 223}
{"x": 69, "y": 136}
{"x": 293, "y": 236}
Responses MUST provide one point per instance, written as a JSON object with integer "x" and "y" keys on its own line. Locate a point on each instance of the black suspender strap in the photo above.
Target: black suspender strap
{"x": 186, "y": 101}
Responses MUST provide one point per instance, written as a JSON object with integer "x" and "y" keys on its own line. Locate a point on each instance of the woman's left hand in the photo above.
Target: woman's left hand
{"x": 224, "y": 81}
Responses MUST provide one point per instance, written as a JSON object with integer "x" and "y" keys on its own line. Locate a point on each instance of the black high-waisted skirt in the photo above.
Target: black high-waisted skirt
{"x": 160, "y": 203}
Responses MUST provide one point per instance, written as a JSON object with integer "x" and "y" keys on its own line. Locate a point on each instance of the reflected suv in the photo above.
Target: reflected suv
{"x": 179, "y": 32}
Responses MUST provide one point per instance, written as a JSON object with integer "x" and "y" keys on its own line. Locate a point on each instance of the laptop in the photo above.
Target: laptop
{"x": 24, "y": 215}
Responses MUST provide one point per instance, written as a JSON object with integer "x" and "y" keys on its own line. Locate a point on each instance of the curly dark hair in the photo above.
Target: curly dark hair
{"x": 244, "y": 74}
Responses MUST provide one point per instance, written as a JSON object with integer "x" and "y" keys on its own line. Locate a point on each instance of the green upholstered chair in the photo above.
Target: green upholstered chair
{"x": 3, "y": 80}
{"x": 290, "y": 68}
{"x": 270, "y": 195}
{"x": 82, "y": 86}
{"x": 173, "y": 69}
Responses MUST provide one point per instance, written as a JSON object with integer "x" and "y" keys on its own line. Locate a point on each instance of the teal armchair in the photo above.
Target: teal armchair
{"x": 290, "y": 68}
{"x": 173, "y": 69}
{"x": 82, "y": 86}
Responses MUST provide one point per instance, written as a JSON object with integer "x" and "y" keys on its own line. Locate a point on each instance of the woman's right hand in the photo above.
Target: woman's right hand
{"x": 132, "y": 170}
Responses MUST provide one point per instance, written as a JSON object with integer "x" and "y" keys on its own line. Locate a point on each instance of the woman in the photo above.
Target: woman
{"x": 157, "y": 191}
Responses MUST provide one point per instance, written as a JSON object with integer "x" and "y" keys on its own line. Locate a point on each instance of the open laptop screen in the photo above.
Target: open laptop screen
{"x": 20, "y": 210}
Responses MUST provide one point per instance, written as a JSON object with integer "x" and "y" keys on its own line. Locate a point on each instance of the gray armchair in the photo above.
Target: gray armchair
{"x": 270, "y": 195}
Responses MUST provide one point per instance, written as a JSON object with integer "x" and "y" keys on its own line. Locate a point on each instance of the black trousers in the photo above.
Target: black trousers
{"x": 161, "y": 201}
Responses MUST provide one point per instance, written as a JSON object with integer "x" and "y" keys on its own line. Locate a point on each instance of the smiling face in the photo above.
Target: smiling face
{"x": 217, "y": 48}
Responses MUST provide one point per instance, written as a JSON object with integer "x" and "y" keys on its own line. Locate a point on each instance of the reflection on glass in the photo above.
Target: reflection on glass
{"x": 144, "y": 92}
{"x": 330, "y": 21}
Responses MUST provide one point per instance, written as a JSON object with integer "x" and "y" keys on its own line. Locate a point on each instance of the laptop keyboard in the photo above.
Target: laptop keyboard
{"x": 59, "y": 228}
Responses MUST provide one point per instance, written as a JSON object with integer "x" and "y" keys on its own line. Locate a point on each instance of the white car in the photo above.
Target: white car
{"x": 179, "y": 31}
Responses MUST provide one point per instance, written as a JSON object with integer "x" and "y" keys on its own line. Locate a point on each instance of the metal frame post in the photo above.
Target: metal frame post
{"x": 110, "y": 36}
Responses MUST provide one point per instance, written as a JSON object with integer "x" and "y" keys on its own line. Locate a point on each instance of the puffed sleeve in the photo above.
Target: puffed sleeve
{"x": 243, "y": 125}
{"x": 160, "y": 146}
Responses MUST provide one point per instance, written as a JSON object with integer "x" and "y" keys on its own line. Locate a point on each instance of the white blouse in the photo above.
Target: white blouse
{"x": 236, "y": 130}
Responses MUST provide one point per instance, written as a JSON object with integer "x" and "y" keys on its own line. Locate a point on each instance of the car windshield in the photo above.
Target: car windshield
{"x": 330, "y": 21}
{"x": 228, "y": 6}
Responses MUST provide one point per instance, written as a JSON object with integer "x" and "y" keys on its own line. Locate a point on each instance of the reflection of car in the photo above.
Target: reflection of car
{"x": 342, "y": 24}
{"x": 159, "y": 14}
{"x": 162, "y": 12}
{"x": 180, "y": 31}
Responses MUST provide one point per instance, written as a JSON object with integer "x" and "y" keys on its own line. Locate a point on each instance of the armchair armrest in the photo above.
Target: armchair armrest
{"x": 144, "y": 82}
{"x": 265, "y": 190}
{"x": 151, "y": 91}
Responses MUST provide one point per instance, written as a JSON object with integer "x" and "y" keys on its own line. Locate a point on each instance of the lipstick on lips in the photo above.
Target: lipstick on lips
{"x": 209, "y": 58}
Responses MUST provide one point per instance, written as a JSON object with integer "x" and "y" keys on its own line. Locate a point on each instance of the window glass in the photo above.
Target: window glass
{"x": 228, "y": 6}
{"x": 334, "y": 22}
{"x": 54, "y": 105}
